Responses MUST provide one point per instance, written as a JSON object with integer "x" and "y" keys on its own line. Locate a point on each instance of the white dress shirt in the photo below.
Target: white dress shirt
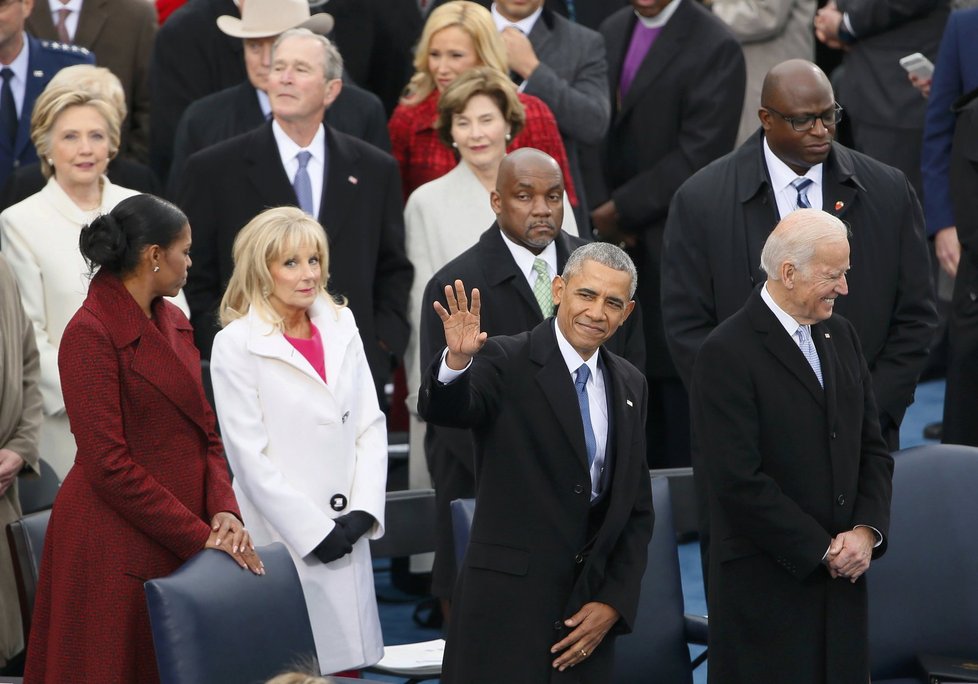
{"x": 781, "y": 177}
{"x": 288, "y": 150}
{"x": 524, "y": 259}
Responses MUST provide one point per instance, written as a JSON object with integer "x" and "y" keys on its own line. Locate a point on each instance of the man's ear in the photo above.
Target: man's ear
{"x": 557, "y": 289}
{"x": 628, "y": 311}
{"x": 495, "y": 201}
{"x": 765, "y": 118}
{"x": 333, "y": 89}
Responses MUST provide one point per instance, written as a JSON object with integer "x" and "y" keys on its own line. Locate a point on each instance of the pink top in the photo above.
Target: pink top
{"x": 312, "y": 349}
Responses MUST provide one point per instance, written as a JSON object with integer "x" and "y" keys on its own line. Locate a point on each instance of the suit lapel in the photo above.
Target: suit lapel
{"x": 264, "y": 340}
{"x": 623, "y": 420}
{"x": 40, "y": 22}
{"x": 342, "y": 184}
{"x": 782, "y": 347}
{"x": 839, "y": 185}
{"x": 501, "y": 268}
{"x": 541, "y": 34}
{"x": 90, "y": 22}
{"x": 558, "y": 388}
{"x": 759, "y": 206}
{"x": 829, "y": 360}
{"x": 265, "y": 171}
{"x": 664, "y": 50}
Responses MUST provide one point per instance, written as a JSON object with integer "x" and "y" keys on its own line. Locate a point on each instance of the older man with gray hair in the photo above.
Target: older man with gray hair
{"x": 785, "y": 427}
{"x": 350, "y": 186}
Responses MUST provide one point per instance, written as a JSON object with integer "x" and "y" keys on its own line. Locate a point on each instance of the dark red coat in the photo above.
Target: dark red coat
{"x": 148, "y": 476}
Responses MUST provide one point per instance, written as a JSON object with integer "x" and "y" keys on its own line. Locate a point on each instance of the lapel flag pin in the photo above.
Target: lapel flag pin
{"x": 352, "y": 179}
{"x": 629, "y": 402}
{"x": 839, "y": 205}
{"x": 827, "y": 336}
{"x": 37, "y": 73}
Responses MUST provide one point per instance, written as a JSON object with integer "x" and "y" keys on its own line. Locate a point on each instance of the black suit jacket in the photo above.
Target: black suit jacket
{"x": 535, "y": 555}
{"x": 790, "y": 466}
{"x": 589, "y": 13}
{"x": 681, "y": 112}
{"x": 717, "y": 226}
{"x": 235, "y": 110}
{"x": 191, "y": 58}
{"x": 227, "y": 185}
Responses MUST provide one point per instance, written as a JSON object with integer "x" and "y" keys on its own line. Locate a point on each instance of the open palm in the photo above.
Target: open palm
{"x": 463, "y": 333}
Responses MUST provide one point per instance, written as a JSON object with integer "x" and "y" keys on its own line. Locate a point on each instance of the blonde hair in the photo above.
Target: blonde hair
{"x": 269, "y": 236}
{"x": 52, "y": 103}
{"x": 98, "y": 81}
{"x": 472, "y": 18}
{"x": 487, "y": 81}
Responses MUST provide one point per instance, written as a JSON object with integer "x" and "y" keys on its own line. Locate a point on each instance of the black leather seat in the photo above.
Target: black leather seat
{"x": 26, "y": 539}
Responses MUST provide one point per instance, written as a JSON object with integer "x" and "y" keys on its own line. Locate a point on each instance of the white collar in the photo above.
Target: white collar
{"x": 781, "y": 174}
{"x": 288, "y": 148}
{"x": 524, "y": 258}
{"x": 525, "y": 25}
{"x": 571, "y": 357}
{"x": 784, "y": 318}
{"x": 73, "y": 5}
{"x": 659, "y": 20}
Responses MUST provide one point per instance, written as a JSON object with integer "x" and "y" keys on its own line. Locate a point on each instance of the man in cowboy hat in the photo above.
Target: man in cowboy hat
{"x": 245, "y": 106}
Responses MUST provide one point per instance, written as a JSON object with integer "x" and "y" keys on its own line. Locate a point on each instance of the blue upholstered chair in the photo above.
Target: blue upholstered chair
{"x": 215, "y": 622}
{"x": 26, "y": 539}
{"x": 923, "y": 593}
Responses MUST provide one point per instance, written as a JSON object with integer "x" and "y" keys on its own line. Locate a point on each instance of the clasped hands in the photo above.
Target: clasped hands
{"x": 827, "y": 22}
{"x": 10, "y": 466}
{"x": 850, "y": 553}
{"x": 348, "y": 529}
{"x": 229, "y": 535}
{"x": 463, "y": 334}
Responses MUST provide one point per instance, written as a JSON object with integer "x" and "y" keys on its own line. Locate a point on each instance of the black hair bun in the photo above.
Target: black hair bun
{"x": 103, "y": 243}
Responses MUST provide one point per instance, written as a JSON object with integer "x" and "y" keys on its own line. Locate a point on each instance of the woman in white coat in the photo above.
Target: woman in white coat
{"x": 302, "y": 429}
{"x": 75, "y": 129}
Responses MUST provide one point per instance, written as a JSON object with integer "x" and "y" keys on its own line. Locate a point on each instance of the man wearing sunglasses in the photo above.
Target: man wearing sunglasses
{"x": 720, "y": 218}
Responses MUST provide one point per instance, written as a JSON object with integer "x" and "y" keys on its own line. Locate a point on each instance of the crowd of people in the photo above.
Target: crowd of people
{"x": 580, "y": 239}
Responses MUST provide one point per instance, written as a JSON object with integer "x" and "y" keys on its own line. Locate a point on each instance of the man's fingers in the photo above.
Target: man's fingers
{"x": 440, "y": 310}
{"x": 450, "y": 298}
{"x": 476, "y": 302}
{"x": 463, "y": 301}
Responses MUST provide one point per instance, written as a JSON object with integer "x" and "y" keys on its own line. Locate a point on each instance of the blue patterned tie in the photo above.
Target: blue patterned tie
{"x": 801, "y": 187}
{"x": 302, "y": 184}
{"x": 808, "y": 349}
{"x": 580, "y": 384}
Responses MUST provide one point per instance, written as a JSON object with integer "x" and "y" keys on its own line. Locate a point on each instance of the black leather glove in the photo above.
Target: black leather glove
{"x": 335, "y": 545}
{"x": 356, "y": 524}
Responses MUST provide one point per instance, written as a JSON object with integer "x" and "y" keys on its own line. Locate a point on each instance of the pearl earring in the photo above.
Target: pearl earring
{"x": 508, "y": 137}
{"x": 156, "y": 268}
{"x": 50, "y": 161}
{"x": 455, "y": 144}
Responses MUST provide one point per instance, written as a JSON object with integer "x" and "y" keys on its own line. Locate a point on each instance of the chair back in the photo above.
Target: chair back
{"x": 37, "y": 493}
{"x": 658, "y": 642}
{"x": 463, "y": 510}
{"x": 215, "y": 622}
{"x": 26, "y": 539}
{"x": 923, "y": 593}
{"x": 409, "y": 524}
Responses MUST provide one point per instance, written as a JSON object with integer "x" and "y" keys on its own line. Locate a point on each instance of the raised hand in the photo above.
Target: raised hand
{"x": 463, "y": 334}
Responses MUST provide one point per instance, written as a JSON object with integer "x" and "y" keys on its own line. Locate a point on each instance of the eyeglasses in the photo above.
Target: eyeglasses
{"x": 829, "y": 117}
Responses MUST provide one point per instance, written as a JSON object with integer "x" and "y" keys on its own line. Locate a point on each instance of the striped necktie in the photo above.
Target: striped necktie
{"x": 801, "y": 187}
{"x": 302, "y": 184}
{"x": 807, "y": 347}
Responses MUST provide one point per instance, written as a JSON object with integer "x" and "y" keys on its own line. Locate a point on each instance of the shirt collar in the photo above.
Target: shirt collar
{"x": 784, "y": 318}
{"x": 659, "y": 20}
{"x": 524, "y": 258}
{"x": 781, "y": 174}
{"x": 73, "y": 5}
{"x": 525, "y": 25}
{"x": 571, "y": 357}
{"x": 288, "y": 149}
{"x": 264, "y": 103}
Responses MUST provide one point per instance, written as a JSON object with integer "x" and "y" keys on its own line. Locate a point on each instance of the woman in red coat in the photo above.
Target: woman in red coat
{"x": 149, "y": 486}
{"x": 459, "y": 36}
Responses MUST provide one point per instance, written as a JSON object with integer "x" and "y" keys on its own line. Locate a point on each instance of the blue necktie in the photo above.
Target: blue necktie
{"x": 571, "y": 10}
{"x": 580, "y": 384}
{"x": 302, "y": 184}
{"x": 808, "y": 349}
{"x": 801, "y": 187}
{"x": 8, "y": 108}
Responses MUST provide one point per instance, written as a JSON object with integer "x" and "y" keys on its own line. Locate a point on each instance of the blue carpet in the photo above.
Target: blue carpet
{"x": 397, "y": 609}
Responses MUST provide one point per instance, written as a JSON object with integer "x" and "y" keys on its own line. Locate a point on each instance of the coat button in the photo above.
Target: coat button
{"x": 579, "y": 558}
{"x": 578, "y": 489}
{"x": 841, "y": 500}
{"x": 558, "y": 625}
{"x": 834, "y": 435}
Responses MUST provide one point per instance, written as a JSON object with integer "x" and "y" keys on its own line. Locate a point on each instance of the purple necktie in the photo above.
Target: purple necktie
{"x": 642, "y": 39}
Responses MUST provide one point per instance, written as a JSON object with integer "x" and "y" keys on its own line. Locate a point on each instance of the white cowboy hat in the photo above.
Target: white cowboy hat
{"x": 267, "y": 18}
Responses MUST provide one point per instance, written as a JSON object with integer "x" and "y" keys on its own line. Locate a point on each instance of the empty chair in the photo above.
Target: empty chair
{"x": 923, "y": 593}
{"x": 37, "y": 493}
{"x": 26, "y": 539}
{"x": 215, "y": 622}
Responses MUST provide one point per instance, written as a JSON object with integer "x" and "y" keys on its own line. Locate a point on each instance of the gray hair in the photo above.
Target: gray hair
{"x": 795, "y": 238}
{"x": 605, "y": 254}
{"x": 332, "y": 59}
